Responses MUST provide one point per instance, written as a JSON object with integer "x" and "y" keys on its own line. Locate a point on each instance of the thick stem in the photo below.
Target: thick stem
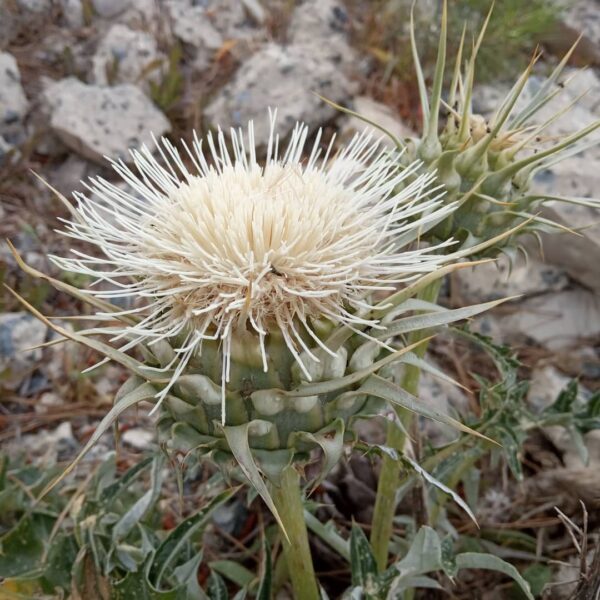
{"x": 288, "y": 501}
{"x": 391, "y": 471}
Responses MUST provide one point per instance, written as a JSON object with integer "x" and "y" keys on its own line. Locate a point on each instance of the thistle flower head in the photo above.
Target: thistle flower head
{"x": 231, "y": 245}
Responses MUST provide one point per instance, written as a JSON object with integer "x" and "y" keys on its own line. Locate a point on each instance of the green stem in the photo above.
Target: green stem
{"x": 296, "y": 549}
{"x": 391, "y": 471}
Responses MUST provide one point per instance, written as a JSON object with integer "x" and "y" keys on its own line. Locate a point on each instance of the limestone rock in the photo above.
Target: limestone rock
{"x": 99, "y": 121}
{"x": 318, "y": 19}
{"x": 73, "y": 12}
{"x": 546, "y": 385}
{"x": 492, "y": 281}
{"x": 573, "y": 177}
{"x": 110, "y": 8}
{"x": 584, "y": 17}
{"x": 378, "y": 113}
{"x": 555, "y": 321}
{"x": 18, "y": 332}
{"x": 287, "y": 77}
{"x": 283, "y": 78}
{"x": 127, "y": 56}
{"x": 138, "y": 438}
{"x": 13, "y": 103}
{"x": 444, "y": 397}
{"x": 206, "y": 26}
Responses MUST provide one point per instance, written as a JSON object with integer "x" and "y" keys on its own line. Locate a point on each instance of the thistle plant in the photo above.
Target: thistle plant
{"x": 487, "y": 167}
{"x": 263, "y": 298}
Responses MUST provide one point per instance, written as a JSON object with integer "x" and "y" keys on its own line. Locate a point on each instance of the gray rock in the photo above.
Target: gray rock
{"x": 48, "y": 439}
{"x": 317, "y": 60}
{"x": 5, "y": 148}
{"x": 488, "y": 97}
{"x": 492, "y": 281}
{"x": 318, "y": 20}
{"x": 444, "y": 397}
{"x": 573, "y": 177}
{"x": 140, "y": 439}
{"x": 127, "y": 56}
{"x": 205, "y": 26}
{"x": 579, "y": 255}
{"x": 145, "y": 15}
{"x": 35, "y": 6}
{"x": 68, "y": 176}
{"x": 378, "y": 113}
{"x": 110, "y": 8}
{"x": 72, "y": 12}
{"x": 13, "y": 103}
{"x": 554, "y": 321}
{"x": 98, "y": 121}
{"x": 18, "y": 332}
{"x": 256, "y": 11}
{"x": 546, "y": 384}
{"x": 584, "y": 17}
{"x": 284, "y": 78}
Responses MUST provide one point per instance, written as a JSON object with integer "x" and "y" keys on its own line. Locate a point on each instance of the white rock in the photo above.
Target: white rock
{"x": 317, "y": 60}
{"x": 555, "y": 321}
{"x": 67, "y": 177}
{"x": 205, "y": 26}
{"x": 579, "y": 255}
{"x": 318, "y": 19}
{"x": 47, "y": 400}
{"x": 255, "y": 9}
{"x": 285, "y": 78}
{"x": 47, "y": 440}
{"x": 110, "y": 8}
{"x": 72, "y": 12}
{"x": 378, "y": 113}
{"x": 445, "y": 397}
{"x": 546, "y": 385}
{"x": 18, "y": 332}
{"x": 13, "y": 103}
{"x": 492, "y": 281}
{"x": 128, "y": 56}
{"x": 98, "y": 121}
{"x": 584, "y": 17}
{"x": 575, "y": 177}
{"x": 144, "y": 14}
{"x": 35, "y": 6}
{"x": 140, "y": 439}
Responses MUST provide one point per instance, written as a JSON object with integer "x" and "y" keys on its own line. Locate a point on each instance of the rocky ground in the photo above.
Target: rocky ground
{"x": 85, "y": 79}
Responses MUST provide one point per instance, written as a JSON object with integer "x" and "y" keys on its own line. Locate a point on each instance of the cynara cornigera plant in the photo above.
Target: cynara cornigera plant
{"x": 252, "y": 289}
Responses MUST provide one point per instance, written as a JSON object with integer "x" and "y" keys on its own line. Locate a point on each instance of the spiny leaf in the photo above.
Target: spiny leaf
{"x": 397, "y": 142}
{"x": 387, "y": 390}
{"x": 476, "y": 560}
{"x": 65, "y": 287}
{"x": 104, "y": 349}
{"x": 237, "y": 438}
{"x": 438, "y": 484}
{"x": 362, "y": 561}
{"x": 141, "y": 507}
{"x": 331, "y": 441}
{"x": 435, "y": 319}
{"x": 171, "y": 547}
{"x": 265, "y": 586}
